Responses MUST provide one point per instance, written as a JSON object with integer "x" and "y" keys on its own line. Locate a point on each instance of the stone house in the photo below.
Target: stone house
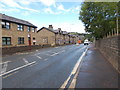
{"x": 46, "y": 36}
{"x": 71, "y": 39}
{"x": 59, "y": 37}
{"x": 66, "y": 37}
{"x": 17, "y": 32}
{"x": 49, "y": 36}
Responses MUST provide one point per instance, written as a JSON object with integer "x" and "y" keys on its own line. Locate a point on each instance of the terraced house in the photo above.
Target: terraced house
{"x": 66, "y": 37}
{"x": 17, "y": 32}
{"x": 49, "y": 36}
{"x": 46, "y": 36}
{"x": 59, "y": 37}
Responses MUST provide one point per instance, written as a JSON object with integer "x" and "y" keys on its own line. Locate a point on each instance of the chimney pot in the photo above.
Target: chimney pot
{"x": 50, "y": 26}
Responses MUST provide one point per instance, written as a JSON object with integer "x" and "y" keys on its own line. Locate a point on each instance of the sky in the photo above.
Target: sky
{"x": 42, "y": 13}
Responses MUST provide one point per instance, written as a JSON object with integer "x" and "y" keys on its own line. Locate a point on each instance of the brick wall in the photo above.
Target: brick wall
{"x": 110, "y": 48}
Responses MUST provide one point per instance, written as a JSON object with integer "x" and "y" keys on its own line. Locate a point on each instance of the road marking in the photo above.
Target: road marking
{"x": 54, "y": 54}
{"x": 62, "y": 51}
{"x": 49, "y": 51}
{"x": 9, "y": 75}
{"x": 47, "y": 54}
{"x": 18, "y": 68}
{"x": 39, "y": 57}
{"x": 25, "y": 60}
{"x": 46, "y": 59}
{"x": 5, "y": 62}
{"x": 4, "y": 67}
{"x": 37, "y": 54}
{"x": 74, "y": 70}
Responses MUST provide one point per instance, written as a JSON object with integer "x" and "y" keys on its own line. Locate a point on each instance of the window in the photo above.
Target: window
{"x": 33, "y": 29}
{"x": 20, "y": 40}
{"x": 6, "y": 40}
{"x": 45, "y": 40}
{"x": 33, "y": 38}
{"x": 20, "y": 27}
{"x": 28, "y": 29}
{"x": 5, "y": 25}
{"x": 34, "y": 41}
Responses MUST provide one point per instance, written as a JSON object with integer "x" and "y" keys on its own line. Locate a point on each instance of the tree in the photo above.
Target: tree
{"x": 99, "y": 18}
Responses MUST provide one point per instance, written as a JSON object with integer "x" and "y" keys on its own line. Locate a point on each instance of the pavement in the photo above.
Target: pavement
{"x": 96, "y": 71}
{"x": 70, "y": 66}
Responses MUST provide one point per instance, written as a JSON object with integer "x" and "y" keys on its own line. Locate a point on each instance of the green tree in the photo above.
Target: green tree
{"x": 99, "y": 18}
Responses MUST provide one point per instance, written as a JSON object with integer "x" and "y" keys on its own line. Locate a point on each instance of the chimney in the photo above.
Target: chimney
{"x": 50, "y": 26}
{"x": 59, "y": 30}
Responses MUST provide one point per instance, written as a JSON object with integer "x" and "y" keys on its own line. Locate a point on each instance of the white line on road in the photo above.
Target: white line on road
{"x": 10, "y": 74}
{"x": 4, "y": 67}
{"x": 37, "y": 54}
{"x": 46, "y": 59}
{"x": 25, "y": 60}
{"x": 47, "y": 54}
{"x": 5, "y": 62}
{"x": 39, "y": 57}
{"x": 17, "y": 68}
{"x": 74, "y": 69}
{"x": 54, "y": 54}
{"x": 48, "y": 51}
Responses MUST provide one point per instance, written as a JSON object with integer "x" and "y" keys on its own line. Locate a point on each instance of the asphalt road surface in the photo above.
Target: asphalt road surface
{"x": 43, "y": 68}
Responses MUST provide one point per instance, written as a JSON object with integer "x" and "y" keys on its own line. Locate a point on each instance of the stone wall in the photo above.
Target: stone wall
{"x": 110, "y": 48}
{"x": 12, "y": 50}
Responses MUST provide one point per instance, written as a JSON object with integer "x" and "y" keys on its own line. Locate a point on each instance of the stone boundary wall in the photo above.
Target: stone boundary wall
{"x": 17, "y": 49}
{"x": 12, "y": 50}
{"x": 110, "y": 48}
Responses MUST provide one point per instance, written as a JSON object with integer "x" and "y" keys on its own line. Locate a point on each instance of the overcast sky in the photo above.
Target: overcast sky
{"x": 64, "y": 15}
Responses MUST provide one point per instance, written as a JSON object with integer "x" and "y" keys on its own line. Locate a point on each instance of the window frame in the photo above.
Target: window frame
{"x": 21, "y": 40}
{"x": 33, "y": 29}
{"x": 28, "y": 28}
{"x": 20, "y": 27}
{"x": 5, "y": 25}
{"x": 6, "y": 41}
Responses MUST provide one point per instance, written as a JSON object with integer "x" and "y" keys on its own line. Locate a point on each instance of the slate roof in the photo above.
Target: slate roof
{"x": 15, "y": 20}
{"x": 47, "y": 29}
{"x": 64, "y": 32}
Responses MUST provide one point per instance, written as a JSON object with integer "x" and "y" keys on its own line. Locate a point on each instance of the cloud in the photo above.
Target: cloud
{"x": 70, "y": 27}
{"x": 73, "y": 9}
{"x": 13, "y": 4}
{"x": 48, "y": 10}
{"x": 9, "y": 10}
{"x": 61, "y": 8}
{"x": 48, "y": 2}
{"x": 24, "y": 2}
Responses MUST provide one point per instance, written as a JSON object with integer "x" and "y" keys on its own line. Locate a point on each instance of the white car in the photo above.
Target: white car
{"x": 86, "y": 42}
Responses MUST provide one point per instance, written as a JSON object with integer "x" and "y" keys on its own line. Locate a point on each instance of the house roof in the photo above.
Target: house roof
{"x": 49, "y": 29}
{"x": 15, "y": 20}
{"x": 64, "y": 32}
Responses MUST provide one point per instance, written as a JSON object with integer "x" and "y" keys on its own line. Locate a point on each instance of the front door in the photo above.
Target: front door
{"x": 29, "y": 41}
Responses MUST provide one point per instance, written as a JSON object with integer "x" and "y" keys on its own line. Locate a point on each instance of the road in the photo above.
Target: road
{"x": 43, "y": 68}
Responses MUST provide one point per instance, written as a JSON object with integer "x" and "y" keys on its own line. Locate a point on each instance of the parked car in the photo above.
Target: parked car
{"x": 86, "y": 42}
